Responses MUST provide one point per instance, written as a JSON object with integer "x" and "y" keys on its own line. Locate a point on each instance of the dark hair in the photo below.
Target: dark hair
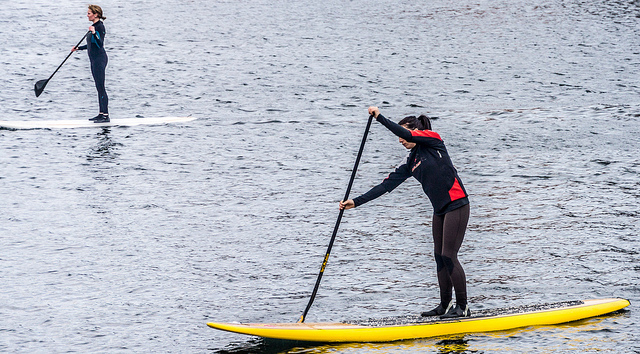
{"x": 421, "y": 123}
{"x": 97, "y": 10}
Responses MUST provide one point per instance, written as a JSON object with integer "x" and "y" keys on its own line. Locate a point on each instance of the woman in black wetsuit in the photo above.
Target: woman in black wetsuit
{"x": 430, "y": 164}
{"x": 98, "y": 59}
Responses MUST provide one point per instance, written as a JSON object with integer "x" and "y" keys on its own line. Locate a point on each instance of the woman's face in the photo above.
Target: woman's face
{"x": 91, "y": 16}
{"x": 405, "y": 143}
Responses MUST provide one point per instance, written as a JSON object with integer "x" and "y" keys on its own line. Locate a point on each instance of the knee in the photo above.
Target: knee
{"x": 439, "y": 261}
{"x": 448, "y": 263}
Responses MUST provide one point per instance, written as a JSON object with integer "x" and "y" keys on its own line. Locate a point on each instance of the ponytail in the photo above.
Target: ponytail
{"x": 420, "y": 123}
{"x": 426, "y": 122}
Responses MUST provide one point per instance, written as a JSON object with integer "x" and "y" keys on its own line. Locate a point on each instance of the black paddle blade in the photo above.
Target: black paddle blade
{"x": 39, "y": 87}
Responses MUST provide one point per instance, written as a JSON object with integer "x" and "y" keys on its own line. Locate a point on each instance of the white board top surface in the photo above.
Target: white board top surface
{"x": 76, "y": 123}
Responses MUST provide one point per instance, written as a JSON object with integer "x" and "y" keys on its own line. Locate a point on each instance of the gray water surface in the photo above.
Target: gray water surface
{"x": 131, "y": 239}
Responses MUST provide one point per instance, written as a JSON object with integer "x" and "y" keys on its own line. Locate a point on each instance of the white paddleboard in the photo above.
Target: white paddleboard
{"x": 75, "y": 123}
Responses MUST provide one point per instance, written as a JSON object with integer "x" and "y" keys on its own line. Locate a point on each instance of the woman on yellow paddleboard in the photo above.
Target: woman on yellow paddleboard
{"x": 430, "y": 164}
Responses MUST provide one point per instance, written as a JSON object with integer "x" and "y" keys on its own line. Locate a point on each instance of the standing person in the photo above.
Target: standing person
{"x": 430, "y": 164}
{"x": 98, "y": 59}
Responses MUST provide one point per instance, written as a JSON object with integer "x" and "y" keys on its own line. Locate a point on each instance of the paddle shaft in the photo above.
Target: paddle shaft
{"x": 65, "y": 59}
{"x": 40, "y": 85}
{"x": 335, "y": 228}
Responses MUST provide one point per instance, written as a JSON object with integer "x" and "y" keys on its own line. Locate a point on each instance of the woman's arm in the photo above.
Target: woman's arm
{"x": 395, "y": 128}
{"x": 98, "y": 33}
{"x": 390, "y": 183}
{"x": 423, "y": 137}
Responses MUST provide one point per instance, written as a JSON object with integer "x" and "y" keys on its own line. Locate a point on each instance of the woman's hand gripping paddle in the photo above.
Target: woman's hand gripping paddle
{"x": 40, "y": 85}
{"x": 335, "y": 229}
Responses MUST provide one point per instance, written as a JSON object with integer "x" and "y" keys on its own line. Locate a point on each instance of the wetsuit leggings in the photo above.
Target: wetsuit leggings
{"x": 448, "y": 234}
{"x": 98, "y": 66}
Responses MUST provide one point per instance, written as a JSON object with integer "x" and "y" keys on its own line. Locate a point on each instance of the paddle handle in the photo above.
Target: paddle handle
{"x": 337, "y": 225}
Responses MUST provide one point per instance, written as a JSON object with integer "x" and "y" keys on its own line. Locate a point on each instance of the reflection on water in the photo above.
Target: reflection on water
{"x": 257, "y": 345}
{"x": 452, "y": 345}
{"x": 105, "y": 148}
{"x": 449, "y": 345}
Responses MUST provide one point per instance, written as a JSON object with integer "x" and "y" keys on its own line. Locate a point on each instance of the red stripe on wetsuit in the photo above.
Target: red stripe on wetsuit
{"x": 426, "y": 134}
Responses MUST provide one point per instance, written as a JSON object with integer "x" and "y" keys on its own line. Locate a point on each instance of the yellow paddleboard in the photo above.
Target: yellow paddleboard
{"x": 412, "y": 327}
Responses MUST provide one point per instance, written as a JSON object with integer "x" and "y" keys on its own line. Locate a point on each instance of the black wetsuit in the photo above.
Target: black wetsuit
{"x": 98, "y": 59}
{"x": 430, "y": 164}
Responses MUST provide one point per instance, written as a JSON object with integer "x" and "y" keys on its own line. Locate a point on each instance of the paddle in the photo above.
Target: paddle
{"x": 40, "y": 85}
{"x": 335, "y": 229}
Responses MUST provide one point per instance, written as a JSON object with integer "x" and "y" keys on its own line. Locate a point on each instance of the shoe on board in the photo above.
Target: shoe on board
{"x": 439, "y": 310}
{"x": 457, "y": 311}
{"x": 101, "y": 119}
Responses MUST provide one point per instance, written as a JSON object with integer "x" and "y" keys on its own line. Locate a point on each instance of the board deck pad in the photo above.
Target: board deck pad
{"x": 390, "y": 329}
{"x": 77, "y": 123}
{"x": 417, "y": 319}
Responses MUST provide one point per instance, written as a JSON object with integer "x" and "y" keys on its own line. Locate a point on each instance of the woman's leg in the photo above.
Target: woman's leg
{"x": 444, "y": 280}
{"x": 453, "y": 229}
{"x": 98, "y": 68}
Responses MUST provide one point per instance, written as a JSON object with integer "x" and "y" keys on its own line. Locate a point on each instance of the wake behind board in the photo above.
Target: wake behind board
{"x": 75, "y": 123}
{"x": 413, "y": 327}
